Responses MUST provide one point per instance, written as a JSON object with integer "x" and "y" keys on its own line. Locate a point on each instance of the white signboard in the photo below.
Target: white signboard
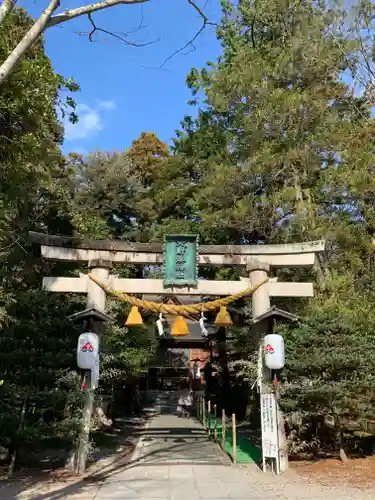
{"x": 95, "y": 373}
{"x": 270, "y": 444}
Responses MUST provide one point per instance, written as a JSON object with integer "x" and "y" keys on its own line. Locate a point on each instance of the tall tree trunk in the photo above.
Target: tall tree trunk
{"x": 339, "y": 442}
{"x": 21, "y": 423}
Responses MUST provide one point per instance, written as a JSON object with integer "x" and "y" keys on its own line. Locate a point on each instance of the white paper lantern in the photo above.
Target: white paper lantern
{"x": 87, "y": 350}
{"x": 274, "y": 351}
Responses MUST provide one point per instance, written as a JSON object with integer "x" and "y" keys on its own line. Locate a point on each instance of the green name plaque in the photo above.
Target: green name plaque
{"x": 180, "y": 260}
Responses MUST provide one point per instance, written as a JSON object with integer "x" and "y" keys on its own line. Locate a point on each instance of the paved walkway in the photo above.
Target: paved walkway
{"x": 174, "y": 460}
{"x": 170, "y": 440}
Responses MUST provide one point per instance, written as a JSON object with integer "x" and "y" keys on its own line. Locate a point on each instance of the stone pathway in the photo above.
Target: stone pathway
{"x": 174, "y": 460}
{"x": 170, "y": 440}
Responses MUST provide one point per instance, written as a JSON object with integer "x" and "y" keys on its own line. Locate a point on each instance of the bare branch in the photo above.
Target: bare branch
{"x": 70, "y": 14}
{"x": 28, "y": 40}
{"x": 114, "y": 34}
{"x": 141, "y": 26}
{"x": 48, "y": 19}
{"x": 5, "y": 8}
{"x": 205, "y": 22}
{"x": 199, "y": 10}
{"x": 181, "y": 49}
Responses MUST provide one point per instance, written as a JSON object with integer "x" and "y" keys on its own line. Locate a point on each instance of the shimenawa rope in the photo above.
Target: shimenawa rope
{"x": 178, "y": 310}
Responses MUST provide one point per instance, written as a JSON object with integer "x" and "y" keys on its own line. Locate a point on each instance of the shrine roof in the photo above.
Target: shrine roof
{"x": 91, "y": 313}
{"x": 275, "y": 312}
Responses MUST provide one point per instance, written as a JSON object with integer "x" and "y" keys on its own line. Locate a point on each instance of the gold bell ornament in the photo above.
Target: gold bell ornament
{"x": 134, "y": 318}
{"x": 179, "y": 327}
{"x": 223, "y": 318}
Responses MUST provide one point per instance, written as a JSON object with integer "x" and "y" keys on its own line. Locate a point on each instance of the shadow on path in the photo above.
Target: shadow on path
{"x": 163, "y": 440}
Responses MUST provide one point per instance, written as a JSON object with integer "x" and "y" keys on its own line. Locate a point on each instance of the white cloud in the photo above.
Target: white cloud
{"x": 108, "y": 105}
{"x": 89, "y": 124}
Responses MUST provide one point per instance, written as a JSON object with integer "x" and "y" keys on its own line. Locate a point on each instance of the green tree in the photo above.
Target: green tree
{"x": 277, "y": 113}
{"x": 34, "y": 326}
{"x": 147, "y": 154}
{"x": 329, "y": 376}
{"x": 103, "y": 186}
{"x": 30, "y": 133}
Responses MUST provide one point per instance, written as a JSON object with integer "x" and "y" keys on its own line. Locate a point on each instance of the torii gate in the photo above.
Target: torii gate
{"x": 256, "y": 261}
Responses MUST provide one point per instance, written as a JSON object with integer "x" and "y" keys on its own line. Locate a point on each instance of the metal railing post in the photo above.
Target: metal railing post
{"x": 215, "y": 423}
{"x": 209, "y": 416}
{"x": 234, "y": 437}
{"x": 223, "y": 429}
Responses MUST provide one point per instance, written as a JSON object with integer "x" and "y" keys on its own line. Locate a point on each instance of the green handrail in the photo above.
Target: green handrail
{"x": 224, "y": 432}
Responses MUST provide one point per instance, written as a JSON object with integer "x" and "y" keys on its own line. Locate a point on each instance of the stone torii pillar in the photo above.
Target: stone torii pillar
{"x": 96, "y": 296}
{"x": 261, "y": 303}
{"x": 258, "y": 271}
{"x": 95, "y": 301}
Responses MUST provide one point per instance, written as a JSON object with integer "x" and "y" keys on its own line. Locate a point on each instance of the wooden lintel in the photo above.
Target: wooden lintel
{"x": 277, "y": 260}
{"x": 68, "y": 242}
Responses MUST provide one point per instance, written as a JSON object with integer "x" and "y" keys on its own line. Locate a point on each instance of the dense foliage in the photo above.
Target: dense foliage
{"x": 41, "y": 190}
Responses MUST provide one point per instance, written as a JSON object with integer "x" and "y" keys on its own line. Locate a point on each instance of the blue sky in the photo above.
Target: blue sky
{"x": 123, "y": 89}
